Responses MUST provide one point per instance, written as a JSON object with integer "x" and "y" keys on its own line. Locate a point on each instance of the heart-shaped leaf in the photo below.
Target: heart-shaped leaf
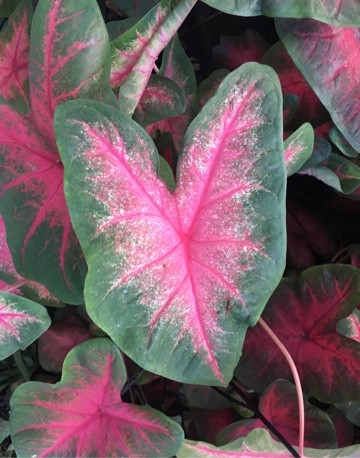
{"x": 279, "y": 404}
{"x": 298, "y": 148}
{"x": 14, "y": 56}
{"x": 21, "y": 322}
{"x": 136, "y": 51}
{"x": 40, "y": 236}
{"x": 304, "y": 313}
{"x": 180, "y": 272}
{"x": 16, "y": 283}
{"x": 257, "y": 443}
{"x": 83, "y": 414}
{"x": 336, "y": 81}
{"x": 337, "y": 12}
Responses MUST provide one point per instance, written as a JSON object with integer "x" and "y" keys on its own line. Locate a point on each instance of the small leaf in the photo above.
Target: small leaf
{"x": 180, "y": 269}
{"x": 336, "y": 81}
{"x": 337, "y": 12}
{"x": 161, "y": 99}
{"x": 83, "y": 414}
{"x": 279, "y": 404}
{"x": 350, "y": 326}
{"x": 14, "y": 56}
{"x": 304, "y": 313}
{"x": 136, "y": 51}
{"x": 166, "y": 173}
{"x": 321, "y": 151}
{"x": 340, "y": 141}
{"x": 351, "y": 410}
{"x": 21, "y": 322}
{"x": 298, "y": 148}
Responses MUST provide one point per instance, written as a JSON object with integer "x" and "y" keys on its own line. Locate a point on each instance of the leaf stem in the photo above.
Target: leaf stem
{"x": 297, "y": 381}
{"x": 21, "y": 365}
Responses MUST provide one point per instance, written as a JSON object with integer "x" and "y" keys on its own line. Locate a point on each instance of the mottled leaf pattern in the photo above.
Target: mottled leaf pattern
{"x": 327, "y": 56}
{"x": 21, "y": 322}
{"x": 180, "y": 269}
{"x": 83, "y": 414}
{"x": 14, "y": 56}
{"x": 40, "y": 236}
{"x": 304, "y": 313}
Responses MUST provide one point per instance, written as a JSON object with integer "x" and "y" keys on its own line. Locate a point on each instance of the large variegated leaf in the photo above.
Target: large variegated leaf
{"x": 137, "y": 50}
{"x": 11, "y": 281}
{"x": 62, "y": 67}
{"x": 337, "y": 12}
{"x": 304, "y": 313}
{"x": 21, "y": 322}
{"x": 327, "y": 57}
{"x": 83, "y": 414}
{"x": 173, "y": 278}
{"x": 14, "y": 56}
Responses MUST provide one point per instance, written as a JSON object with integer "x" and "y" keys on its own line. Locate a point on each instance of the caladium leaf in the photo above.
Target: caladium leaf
{"x": 14, "y": 56}
{"x": 17, "y": 284}
{"x": 304, "y": 313}
{"x": 233, "y": 51}
{"x": 298, "y": 148}
{"x": 337, "y": 12}
{"x": 40, "y": 236}
{"x": 293, "y": 82}
{"x": 335, "y": 81}
{"x": 351, "y": 410}
{"x": 180, "y": 270}
{"x": 177, "y": 66}
{"x": 83, "y": 414}
{"x": 258, "y": 443}
{"x": 210, "y": 85}
{"x": 21, "y": 322}
{"x": 279, "y": 404}
{"x": 136, "y": 51}
{"x": 7, "y": 7}
{"x": 322, "y": 150}
{"x": 161, "y": 99}
{"x": 340, "y": 141}
{"x": 166, "y": 173}
{"x": 350, "y": 326}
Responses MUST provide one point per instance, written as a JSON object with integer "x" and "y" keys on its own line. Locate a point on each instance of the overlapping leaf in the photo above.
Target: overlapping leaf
{"x": 62, "y": 66}
{"x": 279, "y": 404}
{"x": 83, "y": 414}
{"x": 327, "y": 56}
{"x": 136, "y": 51}
{"x": 298, "y": 148}
{"x": 304, "y": 313}
{"x": 10, "y": 280}
{"x": 337, "y": 12}
{"x": 21, "y": 322}
{"x": 173, "y": 278}
{"x": 14, "y": 56}
{"x": 7, "y": 7}
{"x": 257, "y": 443}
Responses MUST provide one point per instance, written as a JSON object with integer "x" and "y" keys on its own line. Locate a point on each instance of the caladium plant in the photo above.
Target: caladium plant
{"x": 157, "y": 213}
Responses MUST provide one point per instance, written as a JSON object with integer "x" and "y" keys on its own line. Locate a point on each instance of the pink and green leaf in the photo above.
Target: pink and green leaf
{"x": 257, "y": 443}
{"x": 161, "y": 99}
{"x": 14, "y": 57}
{"x": 32, "y": 203}
{"x": 336, "y": 81}
{"x": 84, "y": 415}
{"x": 21, "y": 322}
{"x": 136, "y": 51}
{"x": 350, "y": 326}
{"x": 304, "y": 312}
{"x": 337, "y": 12}
{"x": 298, "y": 148}
{"x": 279, "y": 404}
{"x": 180, "y": 270}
